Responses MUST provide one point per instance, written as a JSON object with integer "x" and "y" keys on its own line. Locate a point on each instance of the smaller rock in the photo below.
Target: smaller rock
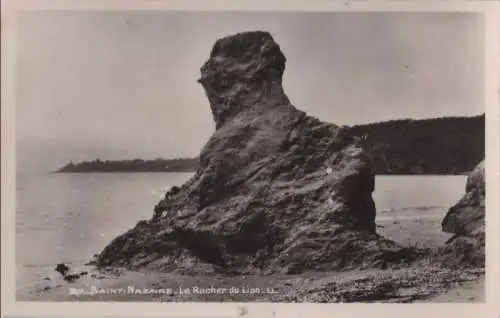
{"x": 466, "y": 221}
{"x": 96, "y": 276}
{"x": 466, "y": 217}
{"x": 71, "y": 278}
{"x": 62, "y": 269}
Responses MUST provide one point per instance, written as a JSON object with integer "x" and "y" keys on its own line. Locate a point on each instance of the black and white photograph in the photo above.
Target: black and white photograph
{"x": 250, "y": 156}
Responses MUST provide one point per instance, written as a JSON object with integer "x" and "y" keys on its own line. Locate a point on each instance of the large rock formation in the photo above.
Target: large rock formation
{"x": 466, "y": 221}
{"x": 275, "y": 188}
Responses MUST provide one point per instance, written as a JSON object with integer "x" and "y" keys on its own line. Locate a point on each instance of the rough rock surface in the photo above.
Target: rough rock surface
{"x": 466, "y": 220}
{"x": 276, "y": 189}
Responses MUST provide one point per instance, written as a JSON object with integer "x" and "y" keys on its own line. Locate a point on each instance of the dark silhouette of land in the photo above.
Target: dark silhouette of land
{"x": 136, "y": 165}
{"x": 448, "y": 145}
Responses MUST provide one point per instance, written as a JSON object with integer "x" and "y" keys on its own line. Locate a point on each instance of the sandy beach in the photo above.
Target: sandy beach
{"x": 414, "y": 284}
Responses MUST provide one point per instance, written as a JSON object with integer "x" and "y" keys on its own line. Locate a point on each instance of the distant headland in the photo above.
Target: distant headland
{"x": 135, "y": 165}
{"x": 448, "y": 145}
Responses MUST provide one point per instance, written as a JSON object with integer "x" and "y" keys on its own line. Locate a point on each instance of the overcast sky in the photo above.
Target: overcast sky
{"x": 119, "y": 85}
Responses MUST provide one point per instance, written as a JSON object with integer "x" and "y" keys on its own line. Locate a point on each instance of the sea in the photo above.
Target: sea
{"x": 68, "y": 217}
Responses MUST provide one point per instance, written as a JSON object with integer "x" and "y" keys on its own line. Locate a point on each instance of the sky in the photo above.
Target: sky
{"x": 122, "y": 84}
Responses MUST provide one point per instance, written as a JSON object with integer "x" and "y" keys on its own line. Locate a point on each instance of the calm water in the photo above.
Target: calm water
{"x": 69, "y": 217}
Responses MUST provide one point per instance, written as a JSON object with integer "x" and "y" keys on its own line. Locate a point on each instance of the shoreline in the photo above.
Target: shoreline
{"x": 414, "y": 284}
{"x": 358, "y": 284}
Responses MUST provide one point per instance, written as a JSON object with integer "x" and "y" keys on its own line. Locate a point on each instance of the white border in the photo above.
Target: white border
{"x": 492, "y": 159}
{"x": 39, "y": 309}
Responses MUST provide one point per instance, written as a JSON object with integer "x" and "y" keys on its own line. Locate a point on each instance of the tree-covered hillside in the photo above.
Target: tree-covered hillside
{"x": 451, "y": 145}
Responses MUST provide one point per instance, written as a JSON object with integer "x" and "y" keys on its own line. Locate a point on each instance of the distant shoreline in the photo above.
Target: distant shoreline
{"x": 135, "y": 165}
{"x": 439, "y": 146}
{"x": 190, "y": 165}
